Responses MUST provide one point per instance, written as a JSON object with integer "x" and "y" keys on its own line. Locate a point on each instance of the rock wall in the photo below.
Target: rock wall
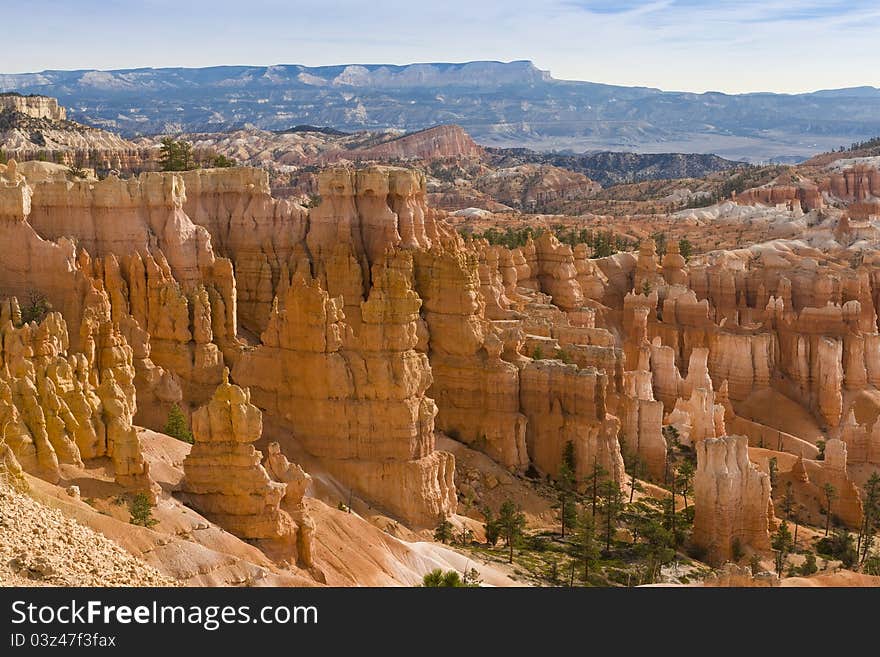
{"x": 357, "y": 402}
{"x": 731, "y": 499}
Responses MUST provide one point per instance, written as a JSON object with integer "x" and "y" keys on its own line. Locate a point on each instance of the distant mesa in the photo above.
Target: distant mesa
{"x": 502, "y": 104}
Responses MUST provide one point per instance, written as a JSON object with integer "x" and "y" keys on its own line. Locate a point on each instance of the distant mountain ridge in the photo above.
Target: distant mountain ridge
{"x": 512, "y": 104}
{"x": 615, "y": 168}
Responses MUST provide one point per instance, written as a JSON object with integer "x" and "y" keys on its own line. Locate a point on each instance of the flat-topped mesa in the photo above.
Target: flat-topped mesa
{"x": 442, "y": 141}
{"x": 731, "y": 499}
{"x": 806, "y": 196}
{"x": 37, "y": 107}
{"x": 358, "y": 403}
{"x": 223, "y": 475}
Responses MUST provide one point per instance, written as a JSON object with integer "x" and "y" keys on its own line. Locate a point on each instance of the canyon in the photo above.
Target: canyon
{"x": 357, "y": 368}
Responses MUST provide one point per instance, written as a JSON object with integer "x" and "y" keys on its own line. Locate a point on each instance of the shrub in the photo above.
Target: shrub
{"x": 563, "y": 355}
{"x": 755, "y": 564}
{"x": 437, "y": 579}
{"x": 141, "y": 511}
{"x": 872, "y": 565}
{"x": 36, "y": 308}
{"x": 808, "y": 567}
{"x": 222, "y": 162}
{"x": 840, "y": 545}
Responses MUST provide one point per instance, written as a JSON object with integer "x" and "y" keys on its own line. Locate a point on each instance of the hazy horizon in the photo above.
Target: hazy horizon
{"x": 675, "y": 45}
{"x": 440, "y": 62}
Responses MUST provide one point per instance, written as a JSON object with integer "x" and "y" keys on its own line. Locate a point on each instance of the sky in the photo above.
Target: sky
{"x": 683, "y": 45}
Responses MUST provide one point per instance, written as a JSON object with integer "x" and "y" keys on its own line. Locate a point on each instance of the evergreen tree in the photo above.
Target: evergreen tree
{"x": 871, "y": 515}
{"x": 443, "y": 532}
{"x": 584, "y": 548}
{"x": 565, "y": 489}
{"x": 594, "y": 479}
{"x": 222, "y": 162}
{"x": 175, "y": 155}
{"x": 830, "y": 495}
{"x": 808, "y": 567}
{"x": 686, "y": 248}
{"x": 611, "y": 506}
{"x": 789, "y": 508}
{"x": 493, "y": 529}
{"x": 141, "y": 511}
{"x": 686, "y": 473}
{"x": 177, "y": 426}
{"x": 782, "y": 544}
{"x": 512, "y": 522}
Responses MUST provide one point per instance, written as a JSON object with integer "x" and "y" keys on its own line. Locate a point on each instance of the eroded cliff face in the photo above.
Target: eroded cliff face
{"x": 61, "y": 406}
{"x": 731, "y": 499}
{"x": 364, "y": 324}
{"x": 37, "y": 107}
{"x": 357, "y": 402}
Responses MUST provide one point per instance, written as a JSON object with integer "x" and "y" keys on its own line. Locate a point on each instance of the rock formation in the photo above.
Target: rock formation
{"x": 224, "y": 478}
{"x": 297, "y": 481}
{"x": 359, "y": 403}
{"x": 731, "y": 499}
{"x": 37, "y": 107}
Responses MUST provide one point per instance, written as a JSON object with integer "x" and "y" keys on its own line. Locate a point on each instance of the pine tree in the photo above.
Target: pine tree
{"x": 175, "y": 155}
{"x": 177, "y": 426}
{"x": 584, "y": 548}
{"x": 871, "y": 515}
{"x": 685, "y": 479}
{"x": 141, "y": 511}
{"x": 443, "y": 532}
{"x": 686, "y": 248}
{"x": 808, "y": 567}
{"x": 565, "y": 488}
{"x": 611, "y": 506}
{"x": 493, "y": 530}
{"x": 782, "y": 544}
{"x": 593, "y": 481}
{"x": 512, "y": 522}
{"x": 830, "y": 495}
{"x": 438, "y": 579}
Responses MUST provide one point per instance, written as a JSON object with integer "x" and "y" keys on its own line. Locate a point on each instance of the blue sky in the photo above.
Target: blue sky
{"x": 692, "y": 45}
